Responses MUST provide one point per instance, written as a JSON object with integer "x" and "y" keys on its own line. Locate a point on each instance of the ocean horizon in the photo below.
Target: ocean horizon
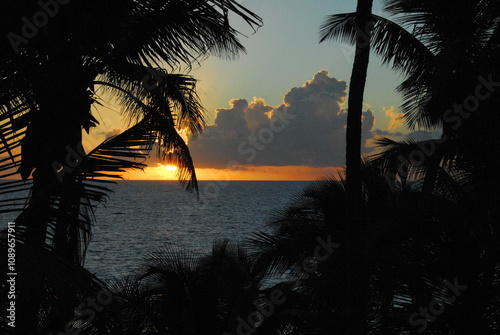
{"x": 142, "y": 216}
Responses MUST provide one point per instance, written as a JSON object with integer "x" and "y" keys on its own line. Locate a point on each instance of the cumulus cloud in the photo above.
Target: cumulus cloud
{"x": 307, "y": 129}
{"x": 396, "y": 119}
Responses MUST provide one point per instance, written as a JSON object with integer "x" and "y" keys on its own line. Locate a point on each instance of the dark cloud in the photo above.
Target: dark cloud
{"x": 418, "y": 135}
{"x": 114, "y": 132}
{"x": 307, "y": 129}
{"x": 421, "y": 135}
{"x": 385, "y": 133}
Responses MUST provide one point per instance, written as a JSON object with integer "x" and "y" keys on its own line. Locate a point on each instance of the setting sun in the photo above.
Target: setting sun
{"x": 171, "y": 167}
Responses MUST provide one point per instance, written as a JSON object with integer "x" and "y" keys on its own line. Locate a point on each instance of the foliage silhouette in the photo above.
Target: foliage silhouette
{"x": 415, "y": 243}
{"x": 446, "y": 51}
{"x": 181, "y": 292}
{"x": 353, "y": 202}
{"x": 87, "y": 52}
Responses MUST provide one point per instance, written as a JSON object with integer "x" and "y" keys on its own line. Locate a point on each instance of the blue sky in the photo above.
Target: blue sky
{"x": 286, "y": 52}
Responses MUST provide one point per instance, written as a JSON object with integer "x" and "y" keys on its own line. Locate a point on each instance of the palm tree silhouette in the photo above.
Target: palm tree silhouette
{"x": 417, "y": 246}
{"x": 181, "y": 292}
{"x": 446, "y": 52}
{"x": 363, "y": 25}
{"x": 421, "y": 237}
{"x": 450, "y": 70}
{"x": 50, "y": 83}
{"x": 354, "y": 183}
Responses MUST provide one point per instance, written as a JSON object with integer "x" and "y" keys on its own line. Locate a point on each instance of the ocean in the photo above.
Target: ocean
{"x": 141, "y": 216}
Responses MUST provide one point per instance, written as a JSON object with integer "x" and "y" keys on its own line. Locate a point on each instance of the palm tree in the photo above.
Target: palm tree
{"x": 51, "y": 81}
{"x": 446, "y": 51}
{"x": 354, "y": 185}
{"x": 418, "y": 244}
{"x": 363, "y": 25}
{"x": 181, "y": 292}
{"x": 447, "y": 54}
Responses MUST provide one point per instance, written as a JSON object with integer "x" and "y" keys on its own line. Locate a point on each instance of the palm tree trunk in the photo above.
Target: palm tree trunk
{"x": 354, "y": 203}
{"x": 355, "y": 107}
{"x": 54, "y": 135}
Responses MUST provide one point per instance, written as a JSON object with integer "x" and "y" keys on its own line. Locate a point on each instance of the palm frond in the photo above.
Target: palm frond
{"x": 108, "y": 160}
{"x": 179, "y": 32}
{"x": 17, "y": 192}
{"x": 58, "y": 285}
{"x": 176, "y": 286}
{"x": 314, "y": 213}
{"x": 141, "y": 90}
{"x": 176, "y": 151}
{"x": 437, "y": 164}
{"x": 68, "y": 219}
{"x": 169, "y": 107}
{"x": 392, "y": 42}
{"x": 121, "y": 152}
{"x": 15, "y": 112}
{"x": 401, "y": 158}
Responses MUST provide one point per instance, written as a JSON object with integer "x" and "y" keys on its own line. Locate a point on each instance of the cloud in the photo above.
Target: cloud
{"x": 113, "y": 133}
{"x": 396, "y": 119}
{"x": 418, "y": 135}
{"x": 307, "y": 129}
{"x": 422, "y": 135}
{"x": 380, "y": 132}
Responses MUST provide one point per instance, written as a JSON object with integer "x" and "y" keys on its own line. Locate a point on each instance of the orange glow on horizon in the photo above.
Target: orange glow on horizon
{"x": 169, "y": 172}
{"x": 248, "y": 172}
{"x": 171, "y": 167}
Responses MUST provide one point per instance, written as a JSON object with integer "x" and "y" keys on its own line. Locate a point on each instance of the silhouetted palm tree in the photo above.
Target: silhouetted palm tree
{"x": 354, "y": 204}
{"x": 363, "y": 25}
{"x": 181, "y": 292}
{"x": 417, "y": 246}
{"x": 446, "y": 51}
{"x": 62, "y": 288}
{"x": 448, "y": 55}
{"x": 51, "y": 76}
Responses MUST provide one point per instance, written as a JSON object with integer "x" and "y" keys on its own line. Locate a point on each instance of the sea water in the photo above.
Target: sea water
{"x": 141, "y": 216}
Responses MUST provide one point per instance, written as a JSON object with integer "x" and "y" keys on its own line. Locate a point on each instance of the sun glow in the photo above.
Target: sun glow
{"x": 171, "y": 167}
{"x": 156, "y": 171}
{"x": 165, "y": 172}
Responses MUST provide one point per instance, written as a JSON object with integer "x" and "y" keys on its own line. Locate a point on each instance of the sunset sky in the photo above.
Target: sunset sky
{"x": 278, "y": 111}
